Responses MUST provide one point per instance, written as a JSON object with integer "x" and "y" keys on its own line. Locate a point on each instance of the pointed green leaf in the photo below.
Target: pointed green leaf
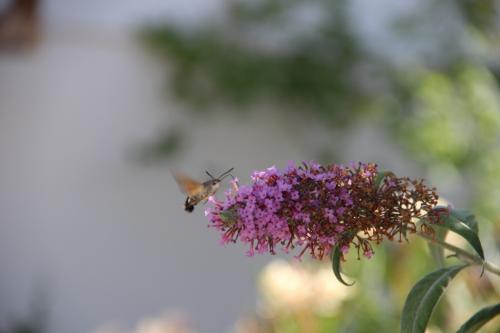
{"x": 479, "y": 319}
{"x": 450, "y": 222}
{"x": 466, "y": 217}
{"x": 228, "y": 216}
{"x": 336, "y": 258}
{"x": 423, "y": 298}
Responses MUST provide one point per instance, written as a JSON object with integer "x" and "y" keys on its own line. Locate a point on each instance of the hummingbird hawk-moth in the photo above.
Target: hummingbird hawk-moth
{"x": 197, "y": 191}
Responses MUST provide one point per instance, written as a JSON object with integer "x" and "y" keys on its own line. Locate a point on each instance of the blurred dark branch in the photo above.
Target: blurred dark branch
{"x": 19, "y": 25}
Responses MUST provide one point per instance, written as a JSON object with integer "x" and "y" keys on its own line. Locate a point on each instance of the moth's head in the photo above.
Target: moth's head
{"x": 215, "y": 183}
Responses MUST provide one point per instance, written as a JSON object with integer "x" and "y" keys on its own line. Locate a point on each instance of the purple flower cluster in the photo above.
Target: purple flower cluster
{"x": 299, "y": 206}
{"x": 314, "y": 207}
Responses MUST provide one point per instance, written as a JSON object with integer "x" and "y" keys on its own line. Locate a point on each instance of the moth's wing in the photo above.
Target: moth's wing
{"x": 188, "y": 185}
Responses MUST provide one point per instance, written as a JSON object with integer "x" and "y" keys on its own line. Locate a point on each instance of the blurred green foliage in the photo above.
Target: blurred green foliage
{"x": 314, "y": 73}
{"x": 441, "y": 104}
{"x": 167, "y": 144}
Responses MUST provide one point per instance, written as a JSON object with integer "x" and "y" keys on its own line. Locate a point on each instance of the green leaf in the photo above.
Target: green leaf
{"x": 452, "y": 223}
{"x": 479, "y": 319}
{"x": 466, "y": 217}
{"x": 437, "y": 251}
{"x": 336, "y": 258}
{"x": 228, "y": 217}
{"x": 380, "y": 177}
{"x": 423, "y": 298}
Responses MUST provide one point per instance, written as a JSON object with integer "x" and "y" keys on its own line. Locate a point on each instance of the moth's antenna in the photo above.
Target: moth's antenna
{"x": 208, "y": 173}
{"x": 221, "y": 178}
{"x": 225, "y": 174}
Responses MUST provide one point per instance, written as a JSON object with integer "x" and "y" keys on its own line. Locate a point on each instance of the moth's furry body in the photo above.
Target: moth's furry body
{"x": 196, "y": 191}
{"x": 208, "y": 188}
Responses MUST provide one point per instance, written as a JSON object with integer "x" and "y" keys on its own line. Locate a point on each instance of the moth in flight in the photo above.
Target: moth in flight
{"x": 197, "y": 191}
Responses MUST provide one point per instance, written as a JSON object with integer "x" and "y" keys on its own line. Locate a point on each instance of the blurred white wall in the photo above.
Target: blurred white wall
{"x": 105, "y": 237}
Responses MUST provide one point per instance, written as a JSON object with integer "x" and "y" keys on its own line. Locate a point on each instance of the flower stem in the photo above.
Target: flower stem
{"x": 463, "y": 254}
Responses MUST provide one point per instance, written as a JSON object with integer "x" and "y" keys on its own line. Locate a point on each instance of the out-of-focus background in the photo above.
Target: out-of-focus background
{"x": 100, "y": 100}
